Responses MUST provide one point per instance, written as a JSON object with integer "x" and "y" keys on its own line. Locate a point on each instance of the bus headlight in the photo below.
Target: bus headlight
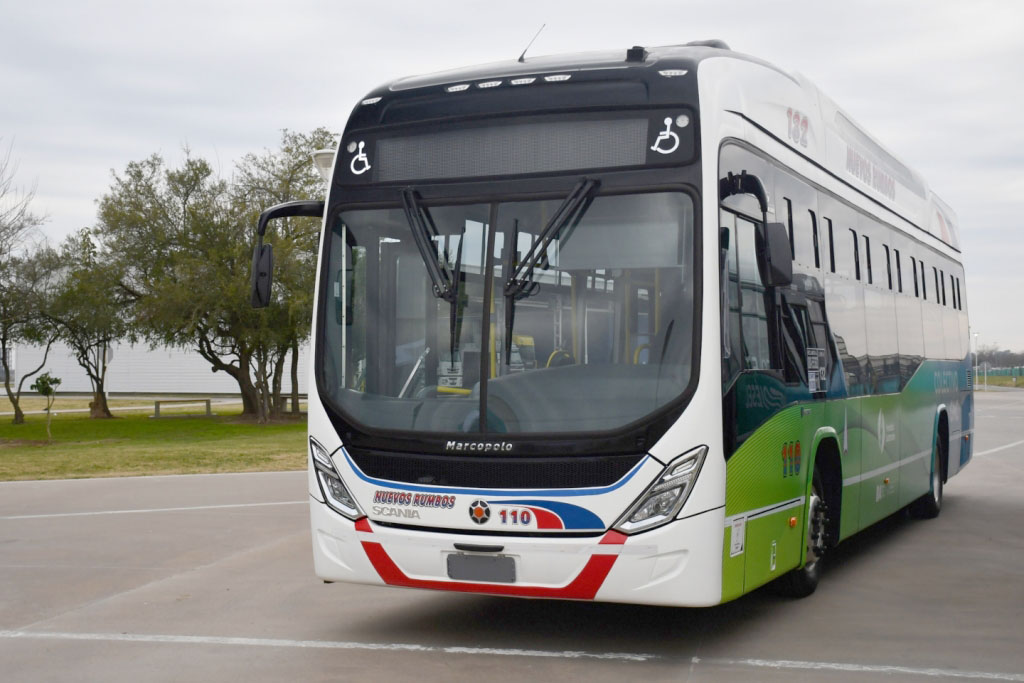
{"x": 663, "y": 500}
{"x": 331, "y": 485}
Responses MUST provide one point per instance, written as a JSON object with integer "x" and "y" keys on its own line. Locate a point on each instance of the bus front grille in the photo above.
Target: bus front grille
{"x": 495, "y": 472}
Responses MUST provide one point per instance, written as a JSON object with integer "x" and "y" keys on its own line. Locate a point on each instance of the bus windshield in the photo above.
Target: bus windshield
{"x": 591, "y": 333}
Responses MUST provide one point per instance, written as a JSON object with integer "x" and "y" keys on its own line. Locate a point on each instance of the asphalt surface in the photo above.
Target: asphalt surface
{"x": 210, "y": 578}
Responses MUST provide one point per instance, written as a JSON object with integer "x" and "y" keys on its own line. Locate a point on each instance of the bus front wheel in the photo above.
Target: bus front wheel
{"x": 801, "y": 582}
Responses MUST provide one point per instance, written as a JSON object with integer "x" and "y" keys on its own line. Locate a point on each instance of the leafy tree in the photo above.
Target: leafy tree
{"x": 89, "y": 311}
{"x": 183, "y": 262}
{"x": 46, "y": 385}
{"x": 181, "y": 241}
{"x": 25, "y": 293}
{"x": 273, "y": 177}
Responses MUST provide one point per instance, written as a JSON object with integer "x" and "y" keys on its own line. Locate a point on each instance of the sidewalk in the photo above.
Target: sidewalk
{"x": 198, "y": 403}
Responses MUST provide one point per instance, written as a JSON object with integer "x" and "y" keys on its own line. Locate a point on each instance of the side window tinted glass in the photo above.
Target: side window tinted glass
{"x": 754, "y": 316}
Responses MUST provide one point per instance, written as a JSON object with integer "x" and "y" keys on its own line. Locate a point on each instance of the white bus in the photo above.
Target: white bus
{"x": 648, "y": 326}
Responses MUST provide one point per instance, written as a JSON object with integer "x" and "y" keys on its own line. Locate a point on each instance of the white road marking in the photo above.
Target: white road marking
{"x": 779, "y": 664}
{"x": 860, "y": 668}
{"x": 147, "y": 477}
{"x": 999, "y": 448}
{"x": 324, "y": 644}
{"x": 131, "y": 512}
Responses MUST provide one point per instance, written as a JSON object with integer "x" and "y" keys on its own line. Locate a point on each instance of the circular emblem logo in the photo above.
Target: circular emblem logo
{"x": 479, "y": 511}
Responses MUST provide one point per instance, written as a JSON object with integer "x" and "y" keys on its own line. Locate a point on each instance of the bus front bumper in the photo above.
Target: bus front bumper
{"x": 677, "y": 564}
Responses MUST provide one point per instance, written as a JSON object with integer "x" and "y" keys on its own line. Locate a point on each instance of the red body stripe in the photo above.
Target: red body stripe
{"x": 614, "y": 538}
{"x": 547, "y": 519}
{"x": 363, "y": 525}
{"x": 583, "y": 587}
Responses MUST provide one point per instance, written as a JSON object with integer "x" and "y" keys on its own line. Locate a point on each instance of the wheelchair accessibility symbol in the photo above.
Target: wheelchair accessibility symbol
{"x": 360, "y": 163}
{"x": 667, "y": 141}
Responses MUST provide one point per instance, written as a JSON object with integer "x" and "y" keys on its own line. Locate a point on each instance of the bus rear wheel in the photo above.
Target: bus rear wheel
{"x": 929, "y": 505}
{"x": 802, "y": 581}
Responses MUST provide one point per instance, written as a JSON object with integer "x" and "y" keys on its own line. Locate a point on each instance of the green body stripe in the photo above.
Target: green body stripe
{"x": 885, "y": 443}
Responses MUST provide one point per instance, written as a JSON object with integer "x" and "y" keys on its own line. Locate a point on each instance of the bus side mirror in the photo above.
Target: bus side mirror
{"x": 262, "y": 275}
{"x": 263, "y": 254}
{"x": 776, "y": 258}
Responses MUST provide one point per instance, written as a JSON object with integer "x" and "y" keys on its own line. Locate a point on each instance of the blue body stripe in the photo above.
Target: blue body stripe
{"x": 554, "y": 493}
{"x": 573, "y": 516}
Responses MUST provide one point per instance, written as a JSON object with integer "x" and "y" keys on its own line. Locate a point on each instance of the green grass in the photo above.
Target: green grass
{"x": 135, "y": 444}
{"x": 996, "y": 381}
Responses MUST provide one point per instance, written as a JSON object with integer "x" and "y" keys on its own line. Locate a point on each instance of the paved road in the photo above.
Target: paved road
{"x": 209, "y": 578}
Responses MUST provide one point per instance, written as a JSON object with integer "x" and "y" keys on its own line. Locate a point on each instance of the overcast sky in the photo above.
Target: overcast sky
{"x": 86, "y": 87}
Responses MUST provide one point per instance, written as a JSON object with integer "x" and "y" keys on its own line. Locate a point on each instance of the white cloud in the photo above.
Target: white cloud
{"x": 88, "y": 86}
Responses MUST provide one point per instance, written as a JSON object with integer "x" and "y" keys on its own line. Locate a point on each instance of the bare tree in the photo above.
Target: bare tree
{"x": 20, "y": 281}
{"x": 16, "y": 220}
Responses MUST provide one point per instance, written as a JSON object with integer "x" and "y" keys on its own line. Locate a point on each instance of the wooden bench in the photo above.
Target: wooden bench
{"x": 157, "y": 402}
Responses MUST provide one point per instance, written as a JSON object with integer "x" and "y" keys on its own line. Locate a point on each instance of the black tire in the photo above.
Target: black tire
{"x": 802, "y": 581}
{"x": 929, "y": 505}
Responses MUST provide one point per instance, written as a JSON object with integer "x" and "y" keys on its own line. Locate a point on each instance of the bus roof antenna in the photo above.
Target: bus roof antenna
{"x": 522, "y": 56}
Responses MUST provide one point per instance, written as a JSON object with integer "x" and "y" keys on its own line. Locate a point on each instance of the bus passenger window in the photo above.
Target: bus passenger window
{"x": 899, "y": 271}
{"x": 814, "y": 235}
{"x": 867, "y": 258}
{"x": 789, "y": 224}
{"x": 924, "y": 283}
{"x": 888, "y": 264}
{"x": 938, "y": 295}
{"x": 753, "y": 310}
{"x": 831, "y": 246}
{"x": 913, "y": 269}
{"x": 856, "y": 254}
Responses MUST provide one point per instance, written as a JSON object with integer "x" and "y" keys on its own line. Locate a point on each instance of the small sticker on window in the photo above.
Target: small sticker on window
{"x": 817, "y": 361}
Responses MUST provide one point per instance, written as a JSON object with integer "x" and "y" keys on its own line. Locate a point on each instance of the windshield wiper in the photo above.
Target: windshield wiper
{"x": 520, "y": 284}
{"x": 444, "y": 284}
{"x": 423, "y": 233}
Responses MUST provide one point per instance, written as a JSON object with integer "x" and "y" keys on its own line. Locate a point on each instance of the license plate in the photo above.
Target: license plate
{"x": 490, "y": 568}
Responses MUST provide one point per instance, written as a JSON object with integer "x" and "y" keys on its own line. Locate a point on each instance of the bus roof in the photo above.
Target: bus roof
{"x": 839, "y": 144}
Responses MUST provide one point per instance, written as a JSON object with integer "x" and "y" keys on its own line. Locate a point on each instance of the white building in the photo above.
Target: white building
{"x": 137, "y": 369}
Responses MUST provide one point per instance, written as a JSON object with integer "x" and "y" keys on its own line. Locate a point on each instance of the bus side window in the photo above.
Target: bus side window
{"x": 899, "y": 271}
{"x": 867, "y": 259}
{"x": 831, "y": 246}
{"x": 913, "y": 269}
{"x": 795, "y": 340}
{"x": 753, "y": 310}
{"x": 789, "y": 226}
{"x": 814, "y": 235}
{"x": 924, "y": 283}
{"x": 856, "y": 255}
{"x": 888, "y": 264}
{"x": 732, "y": 353}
